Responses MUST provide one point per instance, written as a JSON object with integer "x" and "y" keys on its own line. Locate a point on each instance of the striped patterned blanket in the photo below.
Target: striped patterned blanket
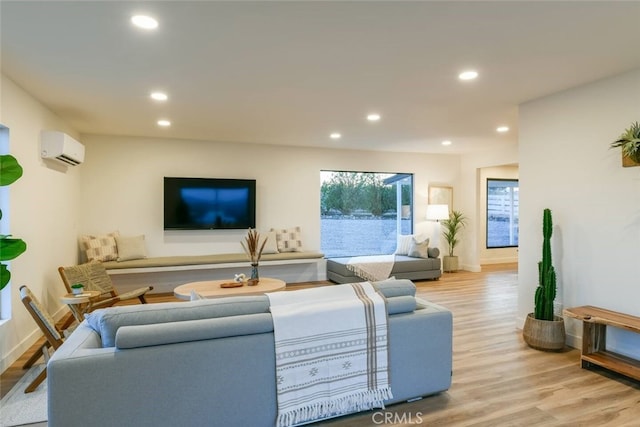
{"x": 372, "y": 267}
{"x": 331, "y": 351}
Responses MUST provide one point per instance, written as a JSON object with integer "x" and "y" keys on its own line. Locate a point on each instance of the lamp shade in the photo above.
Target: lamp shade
{"x": 437, "y": 212}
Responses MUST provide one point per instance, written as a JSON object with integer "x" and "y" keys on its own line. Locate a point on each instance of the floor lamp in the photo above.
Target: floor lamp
{"x": 437, "y": 213}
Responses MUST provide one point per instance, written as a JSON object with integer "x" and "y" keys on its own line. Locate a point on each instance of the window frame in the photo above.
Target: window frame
{"x": 487, "y": 216}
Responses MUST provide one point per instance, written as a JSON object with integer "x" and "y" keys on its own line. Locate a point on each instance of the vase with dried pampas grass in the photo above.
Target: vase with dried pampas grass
{"x": 253, "y": 248}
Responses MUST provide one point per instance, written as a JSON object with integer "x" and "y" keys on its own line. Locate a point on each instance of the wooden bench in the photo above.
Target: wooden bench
{"x": 594, "y": 332}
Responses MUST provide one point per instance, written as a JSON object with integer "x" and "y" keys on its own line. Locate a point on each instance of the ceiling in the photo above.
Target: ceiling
{"x": 290, "y": 73}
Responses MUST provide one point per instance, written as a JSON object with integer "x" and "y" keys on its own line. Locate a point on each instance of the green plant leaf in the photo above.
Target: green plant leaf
{"x": 10, "y": 169}
{"x": 629, "y": 140}
{"x": 11, "y": 248}
{"x": 5, "y": 276}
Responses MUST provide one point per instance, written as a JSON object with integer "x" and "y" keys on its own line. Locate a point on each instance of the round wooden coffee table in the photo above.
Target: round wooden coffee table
{"x": 212, "y": 289}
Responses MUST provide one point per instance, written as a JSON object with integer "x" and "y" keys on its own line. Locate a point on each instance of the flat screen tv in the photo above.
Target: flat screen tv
{"x": 209, "y": 203}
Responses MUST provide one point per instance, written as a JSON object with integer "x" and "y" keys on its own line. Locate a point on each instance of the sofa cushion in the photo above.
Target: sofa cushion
{"x": 172, "y": 261}
{"x": 100, "y": 248}
{"x": 395, "y": 287}
{"x": 106, "y": 321}
{"x": 434, "y": 252}
{"x": 131, "y": 247}
{"x": 288, "y": 239}
{"x": 418, "y": 249}
{"x": 136, "y": 336}
{"x": 401, "y": 304}
{"x": 271, "y": 245}
{"x": 404, "y": 242}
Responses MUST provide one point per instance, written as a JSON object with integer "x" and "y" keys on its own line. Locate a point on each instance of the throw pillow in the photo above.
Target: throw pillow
{"x": 419, "y": 249}
{"x": 131, "y": 247}
{"x": 271, "y": 247}
{"x": 288, "y": 239}
{"x": 404, "y": 243}
{"x": 100, "y": 248}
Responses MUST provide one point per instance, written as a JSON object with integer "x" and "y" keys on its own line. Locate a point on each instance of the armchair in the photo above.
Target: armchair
{"x": 94, "y": 277}
{"x": 51, "y": 332}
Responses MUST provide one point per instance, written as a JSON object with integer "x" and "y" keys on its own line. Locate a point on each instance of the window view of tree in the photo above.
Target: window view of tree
{"x": 363, "y": 212}
{"x": 502, "y": 213}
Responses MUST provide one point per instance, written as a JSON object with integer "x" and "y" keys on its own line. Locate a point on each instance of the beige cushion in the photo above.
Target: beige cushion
{"x": 404, "y": 243}
{"x": 271, "y": 247}
{"x": 132, "y": 247}
{"x": 288, "y": 239}
{"x": 100, "y": 248}
{"x": 419, "y": 249}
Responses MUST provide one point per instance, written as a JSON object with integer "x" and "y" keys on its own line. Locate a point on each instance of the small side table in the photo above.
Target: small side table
{"x": 79, "y": 304}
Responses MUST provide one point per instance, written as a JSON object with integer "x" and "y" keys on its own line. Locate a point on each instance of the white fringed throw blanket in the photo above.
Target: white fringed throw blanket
{"x": 331, "y": 351}
{"x": 373, "y": 267}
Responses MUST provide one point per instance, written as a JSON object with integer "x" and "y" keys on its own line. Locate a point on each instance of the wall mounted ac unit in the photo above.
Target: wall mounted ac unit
{"x": 60, "y": 146}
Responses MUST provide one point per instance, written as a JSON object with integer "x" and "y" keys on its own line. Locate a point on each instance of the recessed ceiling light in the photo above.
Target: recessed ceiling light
{"x": 373, "y": 117}
{"x": 468, "y": 75}
{"x": 164, "y": 123}
{"x": 335, "y": 135}
{"x": 502, "y": 128}
{"x": 447, "y": 142}
{"x": 144, "y": 21}
{"x": 159, "y": 96}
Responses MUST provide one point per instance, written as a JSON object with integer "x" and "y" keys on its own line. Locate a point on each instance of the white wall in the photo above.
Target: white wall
{"x": 493, "y": 255}
{"x": 468, "y": 199}
{"x": 122, "y": 186}
{"x": 43, "y": 212}
{"x": 566, "y": 165}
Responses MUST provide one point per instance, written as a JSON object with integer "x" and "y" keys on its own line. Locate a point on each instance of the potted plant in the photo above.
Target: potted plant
{"x": 77, "y": 289}
{"x": 629, "y": 143}
{"x": 10, "y": 171}
{"x": 543, "y": 330}
{"x": 451, "y": 229}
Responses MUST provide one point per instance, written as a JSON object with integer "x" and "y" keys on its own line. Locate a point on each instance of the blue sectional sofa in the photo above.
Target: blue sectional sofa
{"x": 211, "y": 362}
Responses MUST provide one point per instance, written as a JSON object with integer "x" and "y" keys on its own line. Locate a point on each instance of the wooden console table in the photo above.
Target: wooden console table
{"x": 594, "y": 333}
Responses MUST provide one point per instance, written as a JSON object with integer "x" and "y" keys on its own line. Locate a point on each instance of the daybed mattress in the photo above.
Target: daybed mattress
{"x": 404, "y": 267}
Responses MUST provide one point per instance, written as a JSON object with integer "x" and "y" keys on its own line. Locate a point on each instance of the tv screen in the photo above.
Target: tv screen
{"x": 209, "y": 203}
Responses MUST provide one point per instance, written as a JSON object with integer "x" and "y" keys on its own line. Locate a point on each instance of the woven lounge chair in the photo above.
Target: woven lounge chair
{"x": 94, "y": 277}
{"x": 51, "y": 332}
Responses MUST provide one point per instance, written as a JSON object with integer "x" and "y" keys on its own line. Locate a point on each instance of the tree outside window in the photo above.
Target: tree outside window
{"x": 362, "y": 213}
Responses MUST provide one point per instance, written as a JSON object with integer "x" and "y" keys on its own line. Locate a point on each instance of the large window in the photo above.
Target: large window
{"x": 502, "y": 213}
{"x": 361, "y": 213}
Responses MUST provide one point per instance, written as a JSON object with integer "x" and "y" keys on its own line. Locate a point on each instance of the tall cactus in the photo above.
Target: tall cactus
{"x": 546, "y": 291}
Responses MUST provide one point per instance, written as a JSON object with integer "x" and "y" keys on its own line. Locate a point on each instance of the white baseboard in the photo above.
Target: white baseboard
{"x": 505, "y": 260}
{"x": 474, "y": 268}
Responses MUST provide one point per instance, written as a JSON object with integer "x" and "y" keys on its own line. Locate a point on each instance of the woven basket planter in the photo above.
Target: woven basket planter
{"x": 546, "y": 335}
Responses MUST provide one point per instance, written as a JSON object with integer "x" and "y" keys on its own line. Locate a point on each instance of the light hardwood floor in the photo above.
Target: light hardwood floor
{"x": 497, "y": 379}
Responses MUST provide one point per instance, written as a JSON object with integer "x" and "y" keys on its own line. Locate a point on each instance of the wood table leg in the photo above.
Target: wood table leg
{"x": 594, "y": 339}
